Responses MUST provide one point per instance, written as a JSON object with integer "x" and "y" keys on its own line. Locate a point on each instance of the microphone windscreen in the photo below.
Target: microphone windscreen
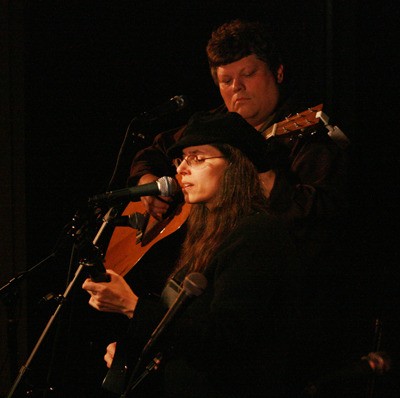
{"x": 167, "y": 186}
{"x": 194, "y": 284}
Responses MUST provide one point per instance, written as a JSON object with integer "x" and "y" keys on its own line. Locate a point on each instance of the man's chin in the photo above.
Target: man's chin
{"x": 244, "y": 111}
{"x": 247, "y": 115}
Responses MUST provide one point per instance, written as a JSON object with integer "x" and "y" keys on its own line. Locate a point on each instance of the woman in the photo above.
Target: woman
{"x": 236, "y": 339}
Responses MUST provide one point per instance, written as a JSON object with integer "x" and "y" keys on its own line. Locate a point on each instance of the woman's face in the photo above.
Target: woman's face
{"x": 201, "y": 173}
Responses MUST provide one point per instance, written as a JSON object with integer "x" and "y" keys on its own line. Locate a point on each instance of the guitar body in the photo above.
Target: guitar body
{"x": 128, "y": 245}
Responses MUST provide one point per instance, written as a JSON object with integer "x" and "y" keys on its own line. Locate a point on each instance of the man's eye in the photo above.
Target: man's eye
{"x": 248, "y": 74}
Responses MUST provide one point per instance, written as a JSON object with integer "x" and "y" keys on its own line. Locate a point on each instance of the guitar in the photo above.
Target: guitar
{"x": 128, "y": 245}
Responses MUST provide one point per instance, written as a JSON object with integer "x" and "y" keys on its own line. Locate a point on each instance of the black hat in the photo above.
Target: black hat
{"x": 205, "y": 128}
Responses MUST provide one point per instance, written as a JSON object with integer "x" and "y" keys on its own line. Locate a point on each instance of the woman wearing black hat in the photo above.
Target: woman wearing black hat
{"x": 235, "y": 338}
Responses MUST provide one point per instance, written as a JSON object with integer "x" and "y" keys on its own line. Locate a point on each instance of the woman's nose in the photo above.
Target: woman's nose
{"x": 182, "y": 168}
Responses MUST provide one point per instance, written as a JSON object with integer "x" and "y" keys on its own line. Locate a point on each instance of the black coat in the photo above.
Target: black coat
{"x": 239, "y": 338}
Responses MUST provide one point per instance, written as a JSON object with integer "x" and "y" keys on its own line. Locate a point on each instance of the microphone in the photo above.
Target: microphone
{"x": 174, "y": 104}
{"x": 164, "y": 186}
{"x": 193, "y": 285}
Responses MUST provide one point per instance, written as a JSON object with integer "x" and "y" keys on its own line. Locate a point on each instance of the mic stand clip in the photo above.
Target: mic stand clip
{"x": 153, "y": 365}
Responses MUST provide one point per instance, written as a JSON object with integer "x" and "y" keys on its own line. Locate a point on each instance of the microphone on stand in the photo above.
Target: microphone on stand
{"x": 140, "y": 132}
{"x": 174, "y": 104}
{"x": 194, "y": 285}
{"x": 164, "y": 186}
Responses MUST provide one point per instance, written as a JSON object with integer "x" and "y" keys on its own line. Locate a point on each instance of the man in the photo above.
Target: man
{"x": 307, "y": 184}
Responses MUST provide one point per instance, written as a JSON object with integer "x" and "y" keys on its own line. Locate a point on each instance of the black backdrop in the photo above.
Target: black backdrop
{"x": 91, "y": 66}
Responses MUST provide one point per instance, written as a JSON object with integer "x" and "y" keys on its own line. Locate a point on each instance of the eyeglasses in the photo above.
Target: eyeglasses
{"x": 193, "y": 160}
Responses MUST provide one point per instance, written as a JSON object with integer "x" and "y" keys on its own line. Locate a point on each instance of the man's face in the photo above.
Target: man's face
{"x": 249, "y": 88}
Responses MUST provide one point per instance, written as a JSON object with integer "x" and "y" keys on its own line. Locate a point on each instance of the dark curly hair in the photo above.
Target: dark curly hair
{"x": 238, "y": 39}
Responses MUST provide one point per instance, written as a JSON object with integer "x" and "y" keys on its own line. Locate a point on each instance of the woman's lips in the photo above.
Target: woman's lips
{"x": 186, "y": 185}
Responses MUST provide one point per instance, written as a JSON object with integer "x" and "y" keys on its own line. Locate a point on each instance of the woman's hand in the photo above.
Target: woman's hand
{"x": 109, "y": 355}
{"x": 113, "y": 296}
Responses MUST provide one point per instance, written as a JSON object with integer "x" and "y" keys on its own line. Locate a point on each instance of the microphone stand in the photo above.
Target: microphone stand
{"x": 9, "y": 296}
{"x": 132, "y": 138}
{"x": 107, "y": 218}
{"x": 136, "y": 138}
{"x": 21, "y": 276}
{"x": 141, "y": 131}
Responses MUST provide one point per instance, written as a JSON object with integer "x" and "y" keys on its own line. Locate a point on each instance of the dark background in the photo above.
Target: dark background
{"x": 91, "y": 66}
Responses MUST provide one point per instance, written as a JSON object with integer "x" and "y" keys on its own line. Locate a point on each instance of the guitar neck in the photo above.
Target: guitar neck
{"x": 299, "y": 121}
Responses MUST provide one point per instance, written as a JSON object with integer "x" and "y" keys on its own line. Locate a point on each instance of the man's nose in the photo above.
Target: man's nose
{"x": 237, "y": 84}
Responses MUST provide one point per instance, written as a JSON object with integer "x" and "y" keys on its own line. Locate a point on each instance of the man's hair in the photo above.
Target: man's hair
{"x": 238, "y": 39}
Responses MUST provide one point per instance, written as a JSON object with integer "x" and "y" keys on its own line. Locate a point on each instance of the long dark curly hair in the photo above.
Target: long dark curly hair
{"x": 241, "y": 194}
